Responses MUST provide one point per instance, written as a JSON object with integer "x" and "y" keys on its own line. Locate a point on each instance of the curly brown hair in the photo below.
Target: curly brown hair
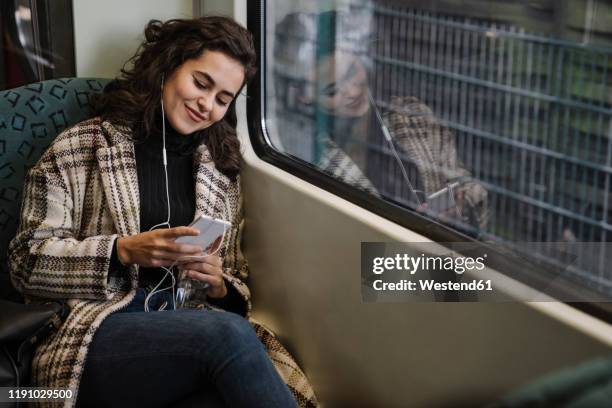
{"x": 133, "y": 98}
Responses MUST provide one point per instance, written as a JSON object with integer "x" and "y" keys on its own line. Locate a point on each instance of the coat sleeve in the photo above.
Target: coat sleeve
{"x": 474, "y": 209}
{"x": 235, "y": 265}
{"x": 46, "y": 259}
{"x": 433, "y": 148}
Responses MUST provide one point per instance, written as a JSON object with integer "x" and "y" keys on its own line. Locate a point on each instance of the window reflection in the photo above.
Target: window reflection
{"x": 509, "y": 102}
{"x": 329, "y": 117}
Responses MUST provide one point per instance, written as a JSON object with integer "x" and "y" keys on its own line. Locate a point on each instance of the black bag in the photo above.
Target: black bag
{"x": 21, "y": 328}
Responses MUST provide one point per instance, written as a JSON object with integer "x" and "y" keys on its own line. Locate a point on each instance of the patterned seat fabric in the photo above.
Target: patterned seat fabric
{"x": 30, "y": 118}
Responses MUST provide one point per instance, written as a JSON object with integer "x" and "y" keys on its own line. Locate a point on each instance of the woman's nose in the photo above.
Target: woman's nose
{"x": 205, "y": 103}
{"x": 352, "y": 89}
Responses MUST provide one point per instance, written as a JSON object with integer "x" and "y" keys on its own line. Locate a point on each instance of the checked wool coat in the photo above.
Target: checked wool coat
{"x": 78, "y": 198}
{"x": 427, "y": 144}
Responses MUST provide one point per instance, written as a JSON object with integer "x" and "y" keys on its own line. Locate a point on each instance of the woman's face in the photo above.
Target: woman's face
{"x": 198, "y": 93}
{"x": 342, "y": 87}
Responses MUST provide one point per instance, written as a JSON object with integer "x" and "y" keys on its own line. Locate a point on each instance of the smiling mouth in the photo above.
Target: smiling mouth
{"x": 196, "y": 116}
{"x": 356, "y": 102}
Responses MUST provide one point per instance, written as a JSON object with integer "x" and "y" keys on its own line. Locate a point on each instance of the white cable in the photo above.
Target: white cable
{"x": 387, "y": 135}
{"x": 155, "y": 290}
{"x": 165, "y": 161}
{"x": 167, "y": 222}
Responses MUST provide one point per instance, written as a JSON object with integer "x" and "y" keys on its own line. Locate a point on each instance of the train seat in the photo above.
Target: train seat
{"x": 30, "y": 118}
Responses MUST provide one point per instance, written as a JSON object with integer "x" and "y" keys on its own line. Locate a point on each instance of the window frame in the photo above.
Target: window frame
{"x": 51, "y": 39}
{"x": 405, "y": 217}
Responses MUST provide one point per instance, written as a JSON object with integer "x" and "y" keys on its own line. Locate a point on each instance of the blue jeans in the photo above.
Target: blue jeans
{"x": 178, "y": 358}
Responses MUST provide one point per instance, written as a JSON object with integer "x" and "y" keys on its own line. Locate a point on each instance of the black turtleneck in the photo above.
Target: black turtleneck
{"x": 152, "y": 181}
{"x": 152, "y": 186}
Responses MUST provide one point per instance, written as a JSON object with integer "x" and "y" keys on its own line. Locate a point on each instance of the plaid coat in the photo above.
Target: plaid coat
{"x": 78, "y": 198}
{"x": 430, "y": 146}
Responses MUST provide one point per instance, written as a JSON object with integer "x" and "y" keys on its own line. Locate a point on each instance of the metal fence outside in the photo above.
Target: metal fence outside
{"x": 531, "y": 116}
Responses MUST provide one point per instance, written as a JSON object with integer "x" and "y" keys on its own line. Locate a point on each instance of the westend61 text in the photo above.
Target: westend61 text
{"x": 430, "y": 284}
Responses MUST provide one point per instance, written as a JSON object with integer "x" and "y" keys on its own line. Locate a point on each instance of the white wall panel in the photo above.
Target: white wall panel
{"x": 108, "y": 33}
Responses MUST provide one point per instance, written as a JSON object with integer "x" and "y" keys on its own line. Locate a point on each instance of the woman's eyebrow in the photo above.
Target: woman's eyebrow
{"x": 212, "y": 82}
{"x": 349, "y": 73}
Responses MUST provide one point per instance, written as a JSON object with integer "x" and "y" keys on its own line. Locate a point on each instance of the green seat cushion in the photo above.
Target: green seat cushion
{"x": 30, "y": 118}
{"x": 588, "y": 385}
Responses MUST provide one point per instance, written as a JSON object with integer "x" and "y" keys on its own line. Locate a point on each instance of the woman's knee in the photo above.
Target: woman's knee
{"x": 226, "y": 339}
{"x": 230, "y": 327}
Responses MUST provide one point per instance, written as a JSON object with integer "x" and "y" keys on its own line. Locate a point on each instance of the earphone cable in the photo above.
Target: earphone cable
{"x": 389, "y": 140}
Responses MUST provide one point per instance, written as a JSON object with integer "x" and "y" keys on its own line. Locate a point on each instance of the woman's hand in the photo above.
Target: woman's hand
{"x": 455, "y": 211}
{"x": 209, "y": 270}
{"x": 156, "y": 248}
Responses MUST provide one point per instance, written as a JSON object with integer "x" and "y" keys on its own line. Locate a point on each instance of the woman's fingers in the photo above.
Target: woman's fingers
{"x": 176, "y": 232}
{"x": 212, "y": 279}
{"x": 182, "y": 248}
{"x": 159, "y": 248}
{"x": 217, "y": 287}
{"x": 211, "y": 260}
{"x": 181, "y": 253}
{"x": 203, "y": 267}
{"x": 210, "y": 270}
{"x": 169, "y": 236}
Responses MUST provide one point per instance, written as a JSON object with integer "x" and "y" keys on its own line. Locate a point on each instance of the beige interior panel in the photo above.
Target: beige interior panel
{"x": 303, "y": 246}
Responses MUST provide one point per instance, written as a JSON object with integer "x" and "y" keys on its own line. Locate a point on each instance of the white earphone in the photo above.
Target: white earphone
{"x": 167, "y": 222}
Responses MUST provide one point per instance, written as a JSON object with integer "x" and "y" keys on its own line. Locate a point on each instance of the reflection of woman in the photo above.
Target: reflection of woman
{"x": 87, "y": 235}
{"x": 345, "y": 125}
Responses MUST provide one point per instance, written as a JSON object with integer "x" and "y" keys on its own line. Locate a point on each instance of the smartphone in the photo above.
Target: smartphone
{"x": 442, "y": 200}
{"x": 210, "y": 229}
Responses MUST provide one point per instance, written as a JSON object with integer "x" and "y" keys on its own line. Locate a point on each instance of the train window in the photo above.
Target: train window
{"x": 34, "y": 46}
{"x": 490, "y": 117}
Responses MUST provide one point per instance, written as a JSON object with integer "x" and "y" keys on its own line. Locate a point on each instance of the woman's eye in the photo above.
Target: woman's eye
{"x": 222, "y": 102}
{"x": 199, "y": 84}
{"x": 330, "y": 92}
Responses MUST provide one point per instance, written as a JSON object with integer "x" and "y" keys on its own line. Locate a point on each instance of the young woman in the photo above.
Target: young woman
{"x": 100, "y": 217}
